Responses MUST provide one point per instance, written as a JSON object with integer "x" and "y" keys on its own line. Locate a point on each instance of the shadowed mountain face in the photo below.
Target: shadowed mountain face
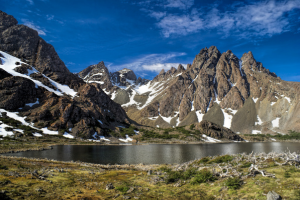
{"x": 219, "y": 87}
{"x": 35, "y": 82}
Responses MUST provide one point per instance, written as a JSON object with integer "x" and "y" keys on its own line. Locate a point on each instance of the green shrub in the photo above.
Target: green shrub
{"x": 202, "y": 177}
{"x": 221, "y": 159}
{"x": 164, "y": 169}
{"x": 246, "y": 165}
{"x": 123, "y": 188}
{"x": 10, "y": 121}
{"x": 152, "y": 134}
{"x": 297, "y": 194}
{"x": 204, "y": 160}
{"x": 287, "y": 174}
{"x": 174, "y": 176}
{"x": 192, "y": 126}
{"x": 233, "y": 183}
{"x": 3, "y": 167}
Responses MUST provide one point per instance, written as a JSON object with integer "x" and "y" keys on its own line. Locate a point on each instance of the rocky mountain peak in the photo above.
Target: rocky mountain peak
{"x": 97, "y": 73}
{"x": 25, "y": 43}
{"x": 6, "y": 21}
{"x": 180, "y": 68}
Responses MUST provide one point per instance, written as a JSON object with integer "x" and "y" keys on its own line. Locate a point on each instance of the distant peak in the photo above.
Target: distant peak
{"x": 125, "y": 70}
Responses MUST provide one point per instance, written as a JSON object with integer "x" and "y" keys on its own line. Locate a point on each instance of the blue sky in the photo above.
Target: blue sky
{"x": 149, "y": 35}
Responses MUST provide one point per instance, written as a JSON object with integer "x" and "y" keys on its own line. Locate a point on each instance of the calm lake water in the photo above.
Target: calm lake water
{"x": 152, "y": 153}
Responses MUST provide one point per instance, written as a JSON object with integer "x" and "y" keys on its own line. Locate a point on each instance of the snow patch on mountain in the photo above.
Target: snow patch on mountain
{"x": 9, "y": 64}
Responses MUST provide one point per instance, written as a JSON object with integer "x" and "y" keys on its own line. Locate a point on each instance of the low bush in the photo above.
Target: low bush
{"x": 202, "y": 177}
{"x": 3, "y": 167}
{"x": 233, "y": 183}
{"x": 246, "y": 165}
{"x": 122, "y": 188}
{"x": 221, "y": 159}
{"x": 192, "y": 126}
{"x": 152, "y": 134}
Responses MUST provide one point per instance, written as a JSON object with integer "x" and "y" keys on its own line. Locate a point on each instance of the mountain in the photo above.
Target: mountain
{"x": 239, "y": 94}
{"x": 119, "y": 85}
{"x": 35, "y": 83}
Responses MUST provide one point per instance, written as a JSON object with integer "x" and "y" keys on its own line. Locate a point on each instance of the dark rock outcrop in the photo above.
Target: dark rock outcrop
{"x": 213, "y": 130}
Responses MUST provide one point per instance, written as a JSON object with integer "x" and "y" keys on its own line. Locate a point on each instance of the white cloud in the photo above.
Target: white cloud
{"x": 157, "y": 15}
{"x": 151, "y": 62}
{"x": 180, "y": 25}
{"x": 256, "y": 19}
{"x": 49, "y": 17}
{"x": 157, "y": 67}
{"x": 33, "y": 26}
{"x": 180, "y": 4}
{"x": 30, "y": 1}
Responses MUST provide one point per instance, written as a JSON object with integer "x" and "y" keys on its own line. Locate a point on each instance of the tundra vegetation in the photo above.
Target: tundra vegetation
{"x": 240, "y": 176}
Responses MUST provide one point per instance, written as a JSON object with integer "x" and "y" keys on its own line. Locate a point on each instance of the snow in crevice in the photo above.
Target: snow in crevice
{"x": 131, "y": 101}
{"x": 32, "y": 104}
{"x": 199, "y": 115}
{"x": 287, "y": 98}
{"x": 167, "y": 119}
{"x": 216, "y": 96}
{"x": 227, "y": 119}
{"x": 99, "y": 82}
{"x": 95, "y": 135}
{"x": 260, "y": 122}
{"x": 153, "y": 118}
{"x": 275, "y": 122}
{"x": 241, "y": 66}
{"x": 192, "y": 103}
{"x": 255, "y": 99}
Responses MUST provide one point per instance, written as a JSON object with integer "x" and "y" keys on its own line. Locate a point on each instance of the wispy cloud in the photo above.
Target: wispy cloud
{"x": 157, "y": 67}
{"x": 180, "y": 4}
{"x": 30, "y": 24}
{"x": 49, "y": 17}
{"x": 257, "y": 19}
{"x": 180, "y": 25}
{"x": 30, "y": 2}
{"x": 151, "y": 62}
{"x": 157, "y": 15}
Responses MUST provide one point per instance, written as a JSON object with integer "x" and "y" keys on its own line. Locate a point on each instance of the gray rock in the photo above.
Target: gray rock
{"x": 126, "y": 197}
{"x": 109, "y": 186}
{"x": 149, "y": 172}
{"x": 273, "y": 196}
{"x": 130, "y": 190}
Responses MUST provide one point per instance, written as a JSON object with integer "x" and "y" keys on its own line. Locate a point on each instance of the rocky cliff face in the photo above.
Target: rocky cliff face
{"x": 239, "y": 94}
{"x": 98, "y": 74}
{"x": 37, "y": 84}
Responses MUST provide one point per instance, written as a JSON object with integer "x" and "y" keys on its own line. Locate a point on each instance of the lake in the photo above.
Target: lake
{"x": 153, "y": 153}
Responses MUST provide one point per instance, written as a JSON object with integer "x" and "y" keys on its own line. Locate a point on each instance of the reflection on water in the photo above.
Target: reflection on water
{"x": 153, "y": 153}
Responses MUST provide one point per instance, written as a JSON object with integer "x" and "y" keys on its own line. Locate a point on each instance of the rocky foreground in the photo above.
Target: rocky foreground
{"x": 253, "y": 176}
